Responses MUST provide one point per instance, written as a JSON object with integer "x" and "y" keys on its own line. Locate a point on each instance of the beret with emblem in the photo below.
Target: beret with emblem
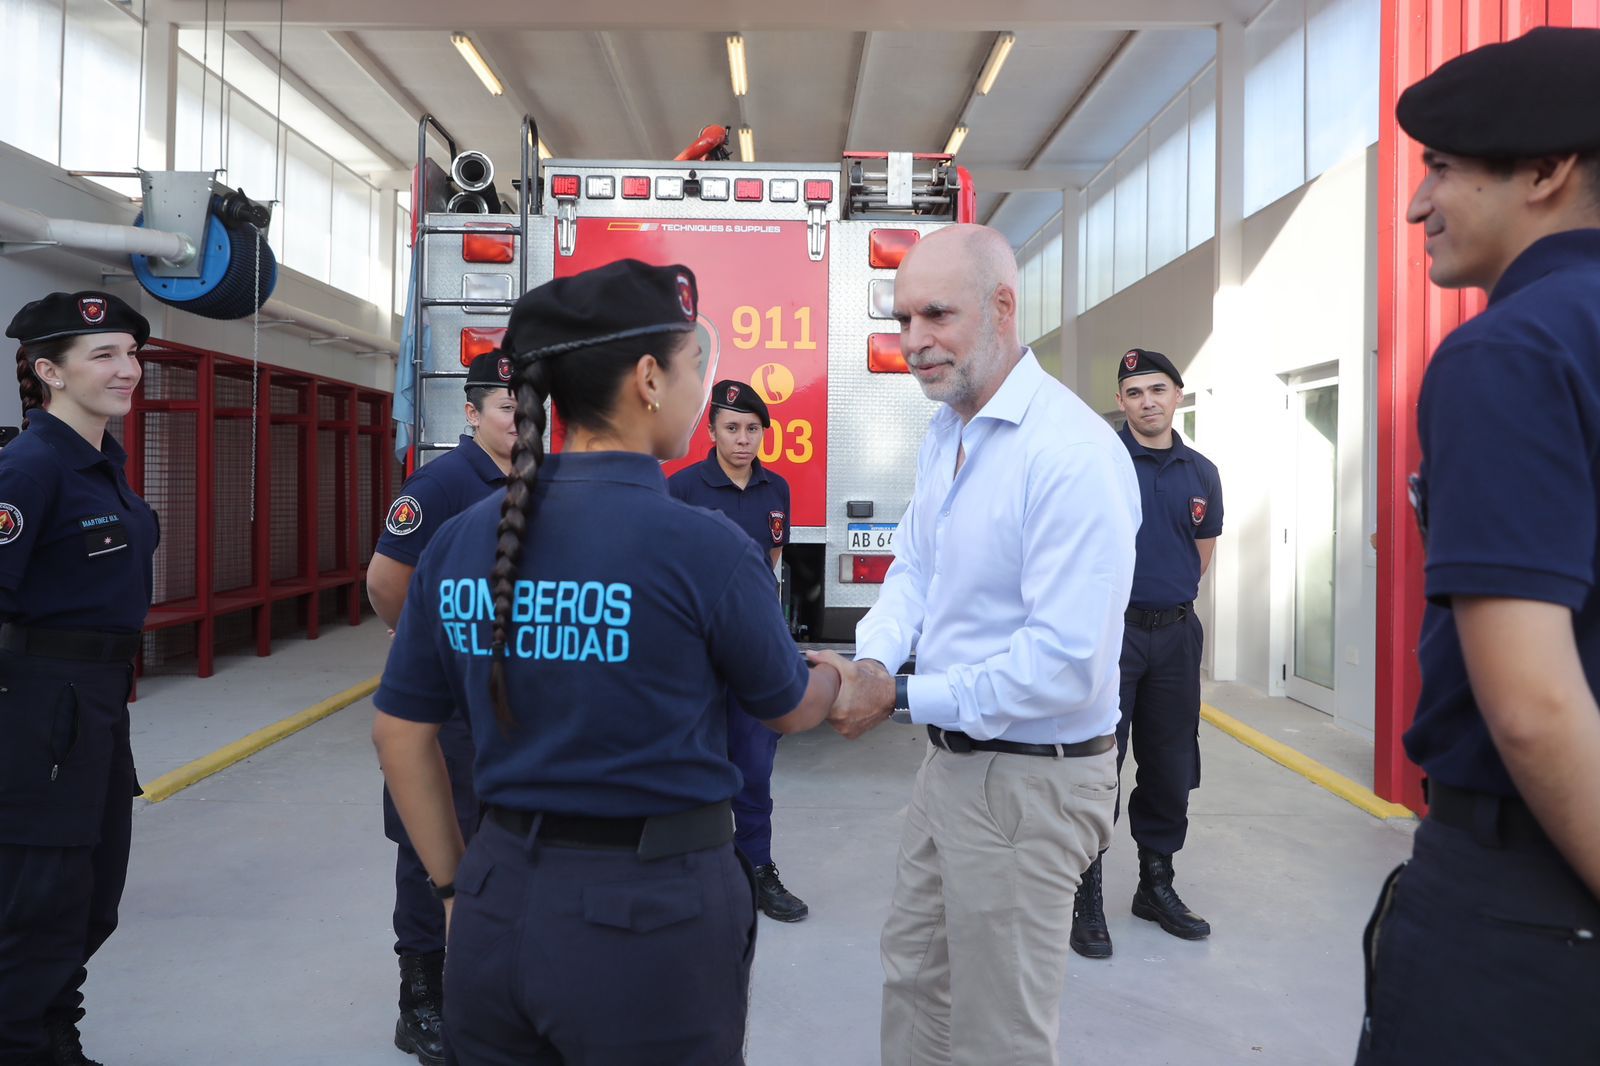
{"x": 737, "y": 396}
{"x": 491, "y": 370}
{"x": 1139, "y": 361}
{"x": 614, "y": 302}
{"x": 1536, "y": 95}
{"x": 72, "y": 314}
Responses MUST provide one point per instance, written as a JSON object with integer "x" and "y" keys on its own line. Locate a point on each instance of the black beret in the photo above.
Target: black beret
{"x": 1138, "y": 361}
{"x": 623, "y": 299}
{"x": 737, "y": 396}
{"x": 73, "y": 314}
{"x": 1536, "y": 95}
{"x": 491, "y": 370}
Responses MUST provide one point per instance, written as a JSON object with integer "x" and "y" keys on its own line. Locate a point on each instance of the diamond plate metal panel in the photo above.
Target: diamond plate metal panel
{"x": 875, "y": 421}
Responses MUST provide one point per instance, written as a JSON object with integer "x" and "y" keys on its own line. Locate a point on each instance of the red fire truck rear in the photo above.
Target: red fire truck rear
{"x": 795, "y": 264}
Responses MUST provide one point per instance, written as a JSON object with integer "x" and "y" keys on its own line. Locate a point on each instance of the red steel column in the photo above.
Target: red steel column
{"x": 1413, "y": 317}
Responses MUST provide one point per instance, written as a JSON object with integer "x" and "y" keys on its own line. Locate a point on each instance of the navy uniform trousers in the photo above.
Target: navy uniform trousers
{"x": 1481, "y": 953}
{"x": 1161, "y": 706}
{"x": 753, "y": 748}
{"x": 570, "y": 955}
{"x": 418, "y": 914}
{"x": 63, "y": 841}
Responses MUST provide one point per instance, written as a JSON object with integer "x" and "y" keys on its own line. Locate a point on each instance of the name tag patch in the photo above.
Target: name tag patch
{"x": 103, "y": 534}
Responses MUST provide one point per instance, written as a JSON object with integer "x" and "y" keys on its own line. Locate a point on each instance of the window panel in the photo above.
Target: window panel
{"x": 1083, "y": 258}
{"x": 352, "y": 218}
{"x": 1131, "y": 198}
{"x": 1342, "y": 52}
{"x": 1050, "y": 282}
{"x": 307, "y": 204}
{"x": 1203, "y": 158}
{"x": 1274, "y": 104}
{"x": 1102, "y": 226}
{"x": 1169, "y": 184}
{"x": 100, "y": 119}
{"x": 252, "y": 163}
{"x": 30, "y": 50}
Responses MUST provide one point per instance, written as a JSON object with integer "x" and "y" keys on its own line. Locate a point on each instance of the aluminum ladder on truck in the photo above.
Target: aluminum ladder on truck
{"x": 462, "y": 312}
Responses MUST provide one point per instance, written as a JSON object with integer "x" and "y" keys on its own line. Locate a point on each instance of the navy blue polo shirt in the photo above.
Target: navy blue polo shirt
{"x": 1180, "y": 493}
{"x": 76, "y": 543}
{"x": 1509, "y": 489}
{"x": 434, "y": 492}
{"x": 634, "y": 617}
{"x": 761, "y": 508}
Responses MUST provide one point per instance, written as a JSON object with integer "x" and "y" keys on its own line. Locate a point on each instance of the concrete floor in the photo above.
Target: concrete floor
{"x": 255, "y": 928}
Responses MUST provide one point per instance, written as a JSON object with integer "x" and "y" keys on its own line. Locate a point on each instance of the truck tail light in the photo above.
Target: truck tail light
{"x": 489, "y": 247}
{"x": 479, "y": 340}
{"x": 884, "y": 355}
{"x": 564, "y": 186}
{"x": 864, "y": 569}
{"x": 635, "y": 188}
{"x": 889, "y": 246}
{"x": 747, "y": 189}
{"x": 819, "y": 191}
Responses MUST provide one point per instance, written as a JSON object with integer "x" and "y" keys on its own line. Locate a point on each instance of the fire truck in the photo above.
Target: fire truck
{"x": 795, "y": 264}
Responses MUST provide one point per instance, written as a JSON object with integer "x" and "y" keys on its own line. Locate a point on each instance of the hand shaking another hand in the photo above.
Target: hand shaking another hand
{"x": 866, "y": 693}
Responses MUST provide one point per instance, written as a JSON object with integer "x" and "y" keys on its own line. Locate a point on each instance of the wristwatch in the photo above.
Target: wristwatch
{"x": 902, "y": 700}
{"x": 442, "y": 892}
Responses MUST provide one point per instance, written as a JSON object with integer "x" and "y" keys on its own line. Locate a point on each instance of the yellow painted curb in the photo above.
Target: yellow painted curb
{"x": 1306, "y": 767}
{"x": 168, "y": 785}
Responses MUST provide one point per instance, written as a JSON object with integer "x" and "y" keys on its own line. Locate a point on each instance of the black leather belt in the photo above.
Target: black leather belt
{"x": 961, "y": 744}
{"x": 79, "y": 645}
{"x": 1494, "y": 821}
{"x": 655, "y": 837}
{"x": 1140, "y": 618}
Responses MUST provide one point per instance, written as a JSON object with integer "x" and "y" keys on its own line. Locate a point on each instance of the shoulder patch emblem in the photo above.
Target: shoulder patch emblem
{"x": 405, "y": 515}
{"x": 776, "y": 521}
{"x": 10, "y": 523}
{"x": 1197, "y": 509}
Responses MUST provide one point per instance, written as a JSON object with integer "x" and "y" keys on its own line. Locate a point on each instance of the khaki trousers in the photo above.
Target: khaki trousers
{"x": 975, "y": 948}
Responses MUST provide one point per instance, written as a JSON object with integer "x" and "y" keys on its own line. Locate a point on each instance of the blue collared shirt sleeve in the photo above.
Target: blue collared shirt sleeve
{"x": 748, "y": 640}
{"x": 416, "y": 683}
{"x": 1211, "y": 525}
{"x": 1510, "y": 506}
{"x": 436, "y": 506}
{"x": 31, "y": 502}
{"x": 890, "y": 629}
{"x": 1078, "y": 530}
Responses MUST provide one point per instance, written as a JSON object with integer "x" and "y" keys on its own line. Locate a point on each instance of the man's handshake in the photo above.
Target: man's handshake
{"x": 866, "y": 693}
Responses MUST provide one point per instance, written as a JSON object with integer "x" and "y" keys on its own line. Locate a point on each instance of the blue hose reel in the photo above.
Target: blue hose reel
{"x": 234, "y": 269}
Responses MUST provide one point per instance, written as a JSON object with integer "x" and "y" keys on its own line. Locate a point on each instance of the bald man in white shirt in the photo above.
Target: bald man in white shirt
{"x": 1013, "y": 567}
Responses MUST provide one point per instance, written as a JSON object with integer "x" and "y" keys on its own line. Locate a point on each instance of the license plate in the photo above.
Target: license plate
{"x": 870, "y": 537}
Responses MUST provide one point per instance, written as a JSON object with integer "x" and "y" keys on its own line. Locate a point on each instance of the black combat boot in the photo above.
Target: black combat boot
{"x": 1090, "y": 937}
{"x": 66, "y": 1046}
{"x": 1157, "y": 901}
{"x": 775, "y": 901}
{"x": 420, "y": 1030}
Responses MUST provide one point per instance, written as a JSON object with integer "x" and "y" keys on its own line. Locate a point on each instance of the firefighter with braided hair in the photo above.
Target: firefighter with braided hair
{"x": 76, "y": 550}
{"x": 593, "y": 628}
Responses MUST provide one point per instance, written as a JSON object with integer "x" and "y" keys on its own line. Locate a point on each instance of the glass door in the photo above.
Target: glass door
{"x": 1314, "y": 537}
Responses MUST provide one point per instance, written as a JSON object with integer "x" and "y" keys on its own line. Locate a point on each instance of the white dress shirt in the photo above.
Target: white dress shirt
{"x": 1011, "y": 578}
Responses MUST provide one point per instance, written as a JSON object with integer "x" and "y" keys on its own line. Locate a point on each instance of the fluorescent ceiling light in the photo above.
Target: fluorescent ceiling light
{"x": 469, "y": 52}
{"x": 957, "y": 136}
{"x": 996, "y": 60}
{"x": 747, "y": 144}
{"x": 737, "y": 70}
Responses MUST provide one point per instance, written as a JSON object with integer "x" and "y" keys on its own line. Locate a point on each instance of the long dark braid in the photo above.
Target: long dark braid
{"x": 529, "y": 384}
{"x": 29, "y": 387}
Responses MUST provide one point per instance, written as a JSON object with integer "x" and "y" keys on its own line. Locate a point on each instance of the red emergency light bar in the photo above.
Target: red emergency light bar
{"x": 870, "y": 569}
{"x": 884, "y": 355}
{"x": 479, "y": 340}
{"x": 496, "y": 245}
{"x": 819, "y": 191}
{"x": 889, "y": 246}
{"x": 747, "y": 189}
{"x": 635, "y": 188}
{"x": 564, "y": 186}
